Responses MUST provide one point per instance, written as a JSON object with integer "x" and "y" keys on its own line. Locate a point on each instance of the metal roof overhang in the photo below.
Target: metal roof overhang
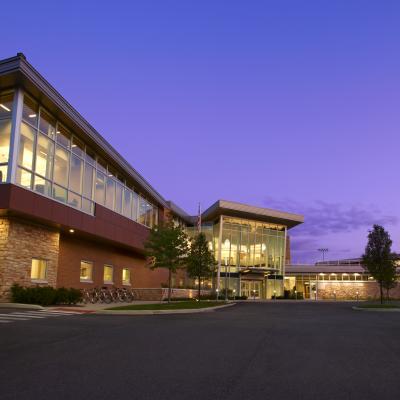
{"x": 18, "y": 72}
{"x": 238, "y": 210}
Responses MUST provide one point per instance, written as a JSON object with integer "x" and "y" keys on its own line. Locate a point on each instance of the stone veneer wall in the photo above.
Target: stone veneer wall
{"x": 348, "y": 291}
{"x": 19, "y": 243}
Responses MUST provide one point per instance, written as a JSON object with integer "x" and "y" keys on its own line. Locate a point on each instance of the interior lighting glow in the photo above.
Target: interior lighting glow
{"x": 5, "y": 108}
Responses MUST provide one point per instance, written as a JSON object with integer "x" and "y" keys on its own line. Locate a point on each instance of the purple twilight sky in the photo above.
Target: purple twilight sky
{"x": 284, "y": 104}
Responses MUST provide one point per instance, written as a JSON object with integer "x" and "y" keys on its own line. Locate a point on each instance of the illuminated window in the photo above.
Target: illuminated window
{"x": 108, "y": 274}
{"x": 38, "y": 269}
{"x": 86, "y": 271}
{"x": 126, "y": 276}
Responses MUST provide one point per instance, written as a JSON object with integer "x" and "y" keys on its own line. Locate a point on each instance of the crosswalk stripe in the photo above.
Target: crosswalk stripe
{"x": 4, "y": 322}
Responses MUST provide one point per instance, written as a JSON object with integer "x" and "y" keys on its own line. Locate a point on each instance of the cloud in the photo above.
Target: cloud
{"x": 333, "y": 223}
{"x": 323, "y": 218}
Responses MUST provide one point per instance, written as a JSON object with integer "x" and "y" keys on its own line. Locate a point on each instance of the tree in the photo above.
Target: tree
{"x": 378, "y": 259}
{"x": 200, "y": 262}
{"x": 167, "y": 247}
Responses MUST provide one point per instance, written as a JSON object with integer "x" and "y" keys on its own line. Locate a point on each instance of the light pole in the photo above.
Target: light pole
{"x": 323, "y": 250}
{"x": 234, "y": 294}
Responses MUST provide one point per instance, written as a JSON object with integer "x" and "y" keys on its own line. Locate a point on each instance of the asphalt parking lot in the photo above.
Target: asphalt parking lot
{"x": 295, "y": 350}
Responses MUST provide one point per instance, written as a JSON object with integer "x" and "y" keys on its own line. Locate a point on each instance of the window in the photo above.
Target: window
{"x": 142, "y": 210}
{"x": 108, "y": 274}
{"x": 6, "y": 103}
{"x": 44, "y": 156}
{"x": 61, "y": 164}
{"x": 27, "y": 139}
{"x": 78, "y": 147}
{"x": 63, "y": 136}
{"x": 126, "y": 276}
{"x": 42, "y": 186}
{"x": 38, "y": 269}
{"x": 76, "y": 172}
{"x": 88, "y": 181}
{"x": 127, "y": 203}
{"x": 59, "y": 193}
{"x": 47, "y": 124}
{"x": 30, "y": 111}
{"x": 86, "y": 271}
{"x": 118, "y": 198}
{"x": 5, "y": 131}
{"x": 24, "y": 178}
{"x": 110, "y": 193}
{"x": 100, "y": 188}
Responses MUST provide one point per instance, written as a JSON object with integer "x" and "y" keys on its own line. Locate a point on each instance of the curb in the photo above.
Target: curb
{"x": 22, "y": 306}
{"x": 162, "y": 312}
{"x": 376, "y": 309}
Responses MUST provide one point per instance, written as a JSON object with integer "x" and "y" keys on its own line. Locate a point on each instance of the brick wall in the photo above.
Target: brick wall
{"x": 19, "y": 243}
{"x": 73, "y": 249}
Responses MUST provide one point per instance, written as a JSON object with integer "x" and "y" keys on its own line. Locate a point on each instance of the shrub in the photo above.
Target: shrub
{"x": 45, "y": 295}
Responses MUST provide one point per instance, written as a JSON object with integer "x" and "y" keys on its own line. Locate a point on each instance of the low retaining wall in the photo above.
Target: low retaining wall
{"x": 162, "y": 293}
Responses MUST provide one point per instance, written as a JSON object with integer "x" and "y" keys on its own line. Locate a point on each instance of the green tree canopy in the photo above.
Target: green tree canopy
{"x": 378, "y": 259}
{"x": 167, "y": 247}
{"x": 200, "y": 262}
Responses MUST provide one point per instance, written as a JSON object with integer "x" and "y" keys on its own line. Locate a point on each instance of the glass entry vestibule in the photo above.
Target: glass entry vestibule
{"x": 252, "y": 289}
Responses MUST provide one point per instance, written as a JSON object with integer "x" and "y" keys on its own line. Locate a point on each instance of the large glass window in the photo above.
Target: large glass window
{"x": 76, "y": 172}
{"x": 47, "y": 124}
{"x": 44, "y": 156}
{"x": 42, "y": 186}
{"x": 100, "y": 187}
{"x": 61, "y": 164}
{"x": 39, "y": 269}
{"x": 118, "y": 198}
{"x": 110, "y": 193}
{"x": 142, "y": 210}
{"x": 87, "y": 189}
{"x": 86, "y": 274}
{"x": 26, "y": 146}
{"x": 30, "y": 111}
{"x": 6, "y": 105}
{"x": 127, "y": 203}
{"x": 5, "y": 131}
{"x": 54, "y": 162}
{"x": 24, "y": 178}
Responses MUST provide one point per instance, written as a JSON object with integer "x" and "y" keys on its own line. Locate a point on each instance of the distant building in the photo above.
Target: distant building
{"x": 338, "y": 279}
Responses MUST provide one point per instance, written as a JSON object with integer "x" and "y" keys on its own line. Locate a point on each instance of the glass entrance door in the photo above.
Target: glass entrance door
{"x": 251, "y": 289}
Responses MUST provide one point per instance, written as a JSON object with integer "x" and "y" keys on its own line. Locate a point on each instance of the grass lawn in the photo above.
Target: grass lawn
{"x": 175, "y": 305}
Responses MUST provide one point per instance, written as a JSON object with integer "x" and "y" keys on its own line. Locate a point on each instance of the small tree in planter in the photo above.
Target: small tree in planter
{"x": 200, "y": 262}
{"x": 378, "y": 259}
{"x": 167, "y": 247}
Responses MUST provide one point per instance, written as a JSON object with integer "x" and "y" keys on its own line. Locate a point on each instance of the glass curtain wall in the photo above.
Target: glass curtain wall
{"x": 52, "y": 161}
{"x": 6, "y": 106}
{"x": 251, "y": 244}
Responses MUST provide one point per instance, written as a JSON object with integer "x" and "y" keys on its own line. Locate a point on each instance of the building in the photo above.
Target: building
{"x": 334, "y": 280}
{"x": 74, "y": 213}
